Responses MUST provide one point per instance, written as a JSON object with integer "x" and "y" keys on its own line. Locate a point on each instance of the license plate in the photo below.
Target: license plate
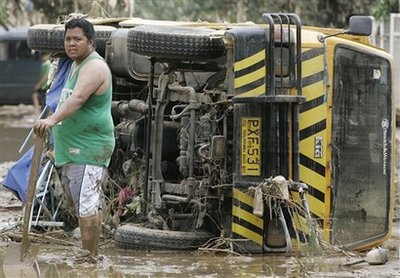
{"x": 251, "y": 146}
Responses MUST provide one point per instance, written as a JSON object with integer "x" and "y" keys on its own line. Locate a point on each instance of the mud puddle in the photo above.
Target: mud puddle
{"x": 58, "y": 261}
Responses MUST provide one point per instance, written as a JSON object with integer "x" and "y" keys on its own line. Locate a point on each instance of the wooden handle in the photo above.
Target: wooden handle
{"x": 33, "y": 176}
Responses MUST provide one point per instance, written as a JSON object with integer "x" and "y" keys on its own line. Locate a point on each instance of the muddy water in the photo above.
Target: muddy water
{"x": 55, "y": 261}
{"x": 11, "y": 140}
{"x": 58, "y": 260}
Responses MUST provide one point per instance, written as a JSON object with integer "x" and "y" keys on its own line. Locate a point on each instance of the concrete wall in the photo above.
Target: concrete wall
{"x": 386, "y": 34}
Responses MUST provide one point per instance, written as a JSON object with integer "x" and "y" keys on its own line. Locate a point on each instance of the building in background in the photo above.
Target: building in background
{"x": 387, "y": 36}
{"x": 20, "y": 67}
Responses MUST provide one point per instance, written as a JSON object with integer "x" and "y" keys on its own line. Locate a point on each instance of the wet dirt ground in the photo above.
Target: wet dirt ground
{"x": 57, "y": 260}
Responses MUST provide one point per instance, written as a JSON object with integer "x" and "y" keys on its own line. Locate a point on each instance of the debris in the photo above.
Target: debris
{"x": 376, "y": 256}
{"x": 124, "y": 196}
{"x": 258, "y": 208}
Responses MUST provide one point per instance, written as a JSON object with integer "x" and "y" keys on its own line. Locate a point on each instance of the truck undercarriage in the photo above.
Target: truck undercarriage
{"x": 215, "y": 138}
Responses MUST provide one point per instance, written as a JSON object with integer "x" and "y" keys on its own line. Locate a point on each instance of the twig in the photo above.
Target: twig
{"x": 44, "y": 237}
{"x": 57, "y": 240}
{"x": 219, "y": 250}
{"x": 222, "y": 185}
{"x": 354, "y": 262}
{"x": 8, "y": 228}
{"x": 106, "y": 242}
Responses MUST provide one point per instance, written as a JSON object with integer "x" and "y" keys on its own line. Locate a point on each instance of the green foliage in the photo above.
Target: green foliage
{"x": 324, "y": 13}
{"x": 205, "y": 10}
{"x": 54, "y": 9}
{"x": 384, "y": 7}
{"x": 332, "y": 13}
{"x": 3, "y": 12}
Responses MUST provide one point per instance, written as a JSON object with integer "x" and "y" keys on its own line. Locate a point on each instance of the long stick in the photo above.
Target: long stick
{"x": 37, "y": 154}
{"x": 41, "y": 116}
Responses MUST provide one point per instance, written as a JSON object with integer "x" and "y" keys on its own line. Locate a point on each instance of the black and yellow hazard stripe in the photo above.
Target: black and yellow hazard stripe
{"x": 248, "y": 63}
{"x": 313, "y": 125}
{"x": 250, "y": 75}
{"x": 245, "y": 224}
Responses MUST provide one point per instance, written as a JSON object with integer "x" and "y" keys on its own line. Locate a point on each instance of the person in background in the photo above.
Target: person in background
{"x": 83, "y": 129}
{"x": 39, "y": 90}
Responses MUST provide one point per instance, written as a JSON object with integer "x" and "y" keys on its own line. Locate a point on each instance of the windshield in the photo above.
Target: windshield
{"x": 361, "y": 146}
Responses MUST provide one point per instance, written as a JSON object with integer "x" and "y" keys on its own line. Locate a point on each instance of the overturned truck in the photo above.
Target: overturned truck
{"x": 262, "y": 136}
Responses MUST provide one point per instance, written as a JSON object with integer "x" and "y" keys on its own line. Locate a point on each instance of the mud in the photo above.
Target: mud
{"x": 58, "y": 260}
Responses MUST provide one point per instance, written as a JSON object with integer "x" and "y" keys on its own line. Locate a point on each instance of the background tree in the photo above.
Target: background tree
{"x": 385, "y": 7}
{"x": 326, "y": 13}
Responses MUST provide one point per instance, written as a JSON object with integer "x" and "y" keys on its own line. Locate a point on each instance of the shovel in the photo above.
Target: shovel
{"x": 24, "y": 254}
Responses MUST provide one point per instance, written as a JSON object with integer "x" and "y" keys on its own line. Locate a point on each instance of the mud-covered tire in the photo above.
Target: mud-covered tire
{"x": 175, "y": 42}
{"x": 135, "y": 236}
{"x": 50, "y": 38}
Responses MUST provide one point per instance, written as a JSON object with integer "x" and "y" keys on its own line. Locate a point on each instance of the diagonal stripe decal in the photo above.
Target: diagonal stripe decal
{"x": 312, "y": 53}
{"x": 243, "y": 197}
{"x": 314, "y": 129}
{"x": 250, "y": 75}
{"x": 316, "y": 193}
{"x": 312, "y": 164}
{"x": 249, "y": 61}
{"x": 251, "y": 91}
{"x": 311, "y": 79}
{"x": 249, "y": 68}
{"x": 246, "y": 233}
{"x": 306, "y": 106}
{"x": 313, "y": 124}
{"x": 244, "y": 222}
{"x": 248, "y": 217}
{"x": 249, "y": 78}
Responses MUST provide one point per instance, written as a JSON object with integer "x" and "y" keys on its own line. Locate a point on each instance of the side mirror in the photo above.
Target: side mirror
{"x": 360, "y": 25}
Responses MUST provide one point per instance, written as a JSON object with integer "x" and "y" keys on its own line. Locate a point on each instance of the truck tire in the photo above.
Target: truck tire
{"x": 175, "y": 42}
{"x": 135, "y": 236}
{"x": 50, "y": 38}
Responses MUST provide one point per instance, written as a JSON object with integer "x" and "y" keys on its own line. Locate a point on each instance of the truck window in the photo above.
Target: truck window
{"x": 361, "y": 142}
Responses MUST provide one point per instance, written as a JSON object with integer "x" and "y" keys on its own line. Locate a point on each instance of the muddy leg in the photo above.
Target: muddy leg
{"x": 90, "y": 228}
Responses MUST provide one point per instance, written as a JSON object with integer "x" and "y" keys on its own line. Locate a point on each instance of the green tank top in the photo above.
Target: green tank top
{"x": 87, "y": 136}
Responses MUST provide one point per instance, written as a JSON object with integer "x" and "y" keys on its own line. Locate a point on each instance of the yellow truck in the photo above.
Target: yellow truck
{"x": 263, "y": 136}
